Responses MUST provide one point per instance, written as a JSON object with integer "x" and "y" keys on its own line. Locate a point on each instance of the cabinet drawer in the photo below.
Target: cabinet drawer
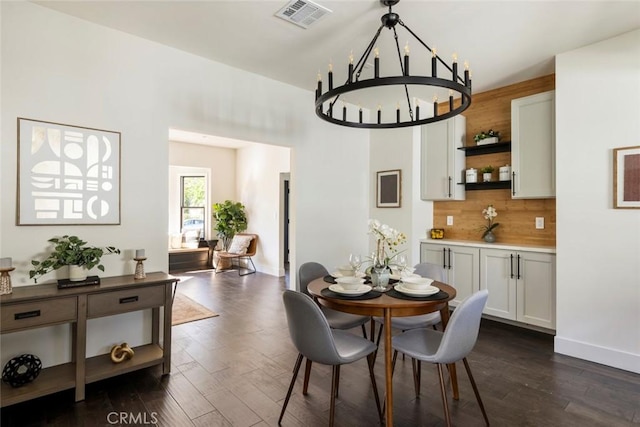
{"x": 33, "y": 314}
{"x": 124, "y": 301}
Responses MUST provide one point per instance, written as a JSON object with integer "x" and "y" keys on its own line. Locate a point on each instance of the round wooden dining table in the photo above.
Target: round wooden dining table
{"x": 387, "y": 307}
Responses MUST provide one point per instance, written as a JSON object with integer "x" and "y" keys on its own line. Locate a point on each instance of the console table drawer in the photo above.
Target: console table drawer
{"x": 125, "y": 301}
{"x": 33, "y": 314}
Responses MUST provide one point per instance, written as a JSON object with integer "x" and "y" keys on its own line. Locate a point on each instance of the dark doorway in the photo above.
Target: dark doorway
{"x": 286, "y": 225}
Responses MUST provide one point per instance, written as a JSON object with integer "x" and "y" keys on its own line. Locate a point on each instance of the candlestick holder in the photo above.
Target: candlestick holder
{"x": 139, "y": 268}
{"x": 5, "y": 280}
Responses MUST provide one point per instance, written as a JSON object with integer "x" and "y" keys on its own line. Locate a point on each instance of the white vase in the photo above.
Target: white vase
{"x": 77, "y": 273}
{"x": 486, "y": 177}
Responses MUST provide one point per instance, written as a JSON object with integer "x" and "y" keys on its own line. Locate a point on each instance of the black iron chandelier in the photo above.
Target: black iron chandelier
{"x": 442, "y": 77}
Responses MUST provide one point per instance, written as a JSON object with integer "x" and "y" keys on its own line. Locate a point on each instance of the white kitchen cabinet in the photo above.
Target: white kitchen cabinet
{"x": 533, "y": 133}
{"x": 461, "y": 264}
{"x": 442, "y": 164}
{"x": 521, "y": 285}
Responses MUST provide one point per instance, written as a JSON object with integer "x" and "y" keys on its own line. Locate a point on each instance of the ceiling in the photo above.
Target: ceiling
{"x": 504, "y": 41}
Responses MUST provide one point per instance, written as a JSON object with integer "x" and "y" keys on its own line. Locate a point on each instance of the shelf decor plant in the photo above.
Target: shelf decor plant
{"x": 489, "y": 214}
{"x": 489, "y": 137}
{"x": 230, "y": 218}
{"x": 71, "y": 251}
{"x": 486, "y": 173}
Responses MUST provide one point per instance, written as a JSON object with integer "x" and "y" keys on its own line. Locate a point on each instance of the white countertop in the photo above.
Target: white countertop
{"x": 480, "y": 244}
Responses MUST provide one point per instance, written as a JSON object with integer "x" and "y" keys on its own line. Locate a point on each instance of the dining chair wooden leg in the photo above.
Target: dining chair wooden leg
{"x": 296, "y": 369}
{"x": 372, "y": 330}
{"x": 334, "y": 391}
{"x": 307, "y": 375}
{"x": 379, "y": 335}
{"x": 475, "y": 390}
{"x": 416, "y": 366}
{"x": 364, "y": 331}
{"x": 444, "y": 395}
{"x": 371, "y": 360}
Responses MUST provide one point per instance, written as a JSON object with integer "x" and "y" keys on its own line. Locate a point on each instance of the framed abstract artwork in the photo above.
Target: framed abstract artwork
{"x": 388, "y": 189}
{"x": 626, "y": 178}
{"x": 67, "y": 174}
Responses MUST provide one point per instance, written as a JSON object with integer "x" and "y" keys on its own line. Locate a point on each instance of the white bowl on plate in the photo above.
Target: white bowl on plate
{"x": 350, "y": 283}
{"x": 416, "y": 283}
{"x": 346, "y": 270}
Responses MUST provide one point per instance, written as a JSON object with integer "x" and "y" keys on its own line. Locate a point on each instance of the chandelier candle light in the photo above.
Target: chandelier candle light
{"x": 452, "y": 81}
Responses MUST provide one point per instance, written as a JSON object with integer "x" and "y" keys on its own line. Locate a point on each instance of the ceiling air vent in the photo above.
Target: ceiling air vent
{"x": 303, "y": 13}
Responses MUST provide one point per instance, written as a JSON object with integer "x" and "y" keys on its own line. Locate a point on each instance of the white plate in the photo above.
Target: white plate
{"x": 361, "y": 290}
{"x": 338, "y": 274}
{"x": 431, "y": 290}
{"x": 400, "y": 277}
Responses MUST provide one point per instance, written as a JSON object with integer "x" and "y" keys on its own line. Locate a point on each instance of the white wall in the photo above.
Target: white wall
{"x": 59, "y": 68}
{"x": 400, "y": 149}
{"x": 598, "y": 247}
{"x": 258, "y": 188}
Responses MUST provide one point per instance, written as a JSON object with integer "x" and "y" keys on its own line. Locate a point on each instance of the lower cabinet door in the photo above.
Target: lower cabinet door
{"x": 536, "y": 289}
{"x": 464, "y": 271}
{"x": 499, "y": 278}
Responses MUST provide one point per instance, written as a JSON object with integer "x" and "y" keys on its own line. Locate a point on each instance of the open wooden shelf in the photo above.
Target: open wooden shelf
{"x": 101, "y": 367}
{"x": 477, "y": 150}
{"x": 493, "y": 185}
{"x": 51, "y": 380}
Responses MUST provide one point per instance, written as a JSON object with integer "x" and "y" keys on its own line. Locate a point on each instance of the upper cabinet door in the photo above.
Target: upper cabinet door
{"x": 533, "y": 137}
{"x": 442, "y": 164}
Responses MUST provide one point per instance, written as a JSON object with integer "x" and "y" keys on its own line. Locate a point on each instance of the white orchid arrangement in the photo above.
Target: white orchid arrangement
{"x": 489, "y": 214}
{"x": 386, "y": 236}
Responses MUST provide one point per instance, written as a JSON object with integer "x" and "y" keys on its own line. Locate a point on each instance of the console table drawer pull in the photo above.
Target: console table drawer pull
{"x": 26, "y": 314}
{"x": 129, "y": 299}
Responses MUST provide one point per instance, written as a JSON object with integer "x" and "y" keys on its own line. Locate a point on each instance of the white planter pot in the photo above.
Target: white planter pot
{"x": 490, "y": 140}
{"x": 486, "y": 177}
{"x": 77, "y": 273}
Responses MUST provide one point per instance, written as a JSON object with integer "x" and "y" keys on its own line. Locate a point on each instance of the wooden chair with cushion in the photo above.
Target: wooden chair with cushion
{"x": 243, "y": 247}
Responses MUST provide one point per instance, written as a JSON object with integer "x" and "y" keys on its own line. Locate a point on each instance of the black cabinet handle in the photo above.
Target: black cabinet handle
{"x": 449, "y": 189}
{"x": 26, "y": 315}
{"x": 449, "y": 259}
{"x": 513, "y": 183}
{"x": 444, "y": 258}
{"x": 518, "y": 265}
{"x": 128, "y": 299}
{"x": 511, "y": 266}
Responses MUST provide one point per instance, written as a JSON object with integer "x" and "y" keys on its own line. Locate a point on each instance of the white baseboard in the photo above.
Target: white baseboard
{"x": 594, "y": 353}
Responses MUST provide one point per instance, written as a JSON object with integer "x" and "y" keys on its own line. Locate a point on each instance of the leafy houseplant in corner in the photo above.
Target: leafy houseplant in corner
{"x": 489, "y": 213}
{"x": 230, "y": 218}
{"x": 489, "y": 137}
{"x": 71, "y": 251}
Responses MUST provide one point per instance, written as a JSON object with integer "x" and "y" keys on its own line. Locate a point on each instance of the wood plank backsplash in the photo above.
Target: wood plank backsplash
{"x": 492, "y": 110}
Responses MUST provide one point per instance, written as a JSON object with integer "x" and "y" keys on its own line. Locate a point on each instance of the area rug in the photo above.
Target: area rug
{"x": 187, "y": 310}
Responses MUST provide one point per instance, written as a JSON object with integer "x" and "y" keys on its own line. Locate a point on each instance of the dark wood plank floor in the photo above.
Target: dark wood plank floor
{"x": 234, "y": 370}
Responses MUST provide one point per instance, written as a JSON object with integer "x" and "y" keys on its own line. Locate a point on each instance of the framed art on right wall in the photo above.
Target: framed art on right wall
{"x": 626, "y": 177}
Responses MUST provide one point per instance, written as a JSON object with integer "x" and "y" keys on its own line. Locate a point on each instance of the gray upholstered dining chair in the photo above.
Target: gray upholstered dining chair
{"x": 450, "y": 346}
{"x": 315, "y": 340}
{"x": 424, "y": 269}
{"x": 337, "y": 319}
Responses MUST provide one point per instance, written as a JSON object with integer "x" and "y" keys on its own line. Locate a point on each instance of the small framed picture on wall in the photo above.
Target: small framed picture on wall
{"x": 388, "y": 189}
{"x": 626, "y": 178}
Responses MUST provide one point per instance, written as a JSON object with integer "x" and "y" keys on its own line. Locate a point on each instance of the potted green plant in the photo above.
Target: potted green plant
{"x": 230, "y": 218}
{"x": 71, "y": 251}
{"x": 486, "y": 173}
{"x": 489, "y": 137}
